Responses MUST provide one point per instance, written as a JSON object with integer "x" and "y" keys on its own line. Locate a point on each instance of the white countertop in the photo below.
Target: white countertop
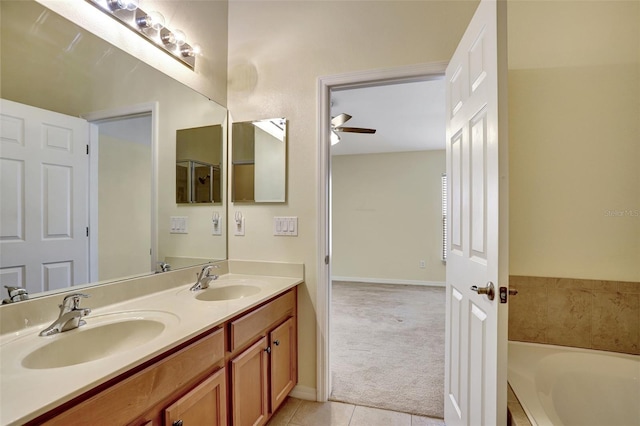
{"x": 26, "y": 393}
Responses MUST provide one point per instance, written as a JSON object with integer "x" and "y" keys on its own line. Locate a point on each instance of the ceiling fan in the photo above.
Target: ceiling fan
{"x": 337, "y": 125}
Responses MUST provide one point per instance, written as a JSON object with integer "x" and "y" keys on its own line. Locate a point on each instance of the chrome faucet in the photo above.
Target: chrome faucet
{"x": 162, "y": 267}
{"x": 204, "y": 278}
{"x": 16, "y": 294}
{"x": 70, "y": 315}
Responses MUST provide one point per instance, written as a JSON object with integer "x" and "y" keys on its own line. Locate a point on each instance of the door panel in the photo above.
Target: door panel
{"x": 57, "y": 213}
{"x": 12, "y": 187}
{"x": 44, "y": 205}
{"x": 475, "y": 371}
{"x": 249, "y": 385}
{"x": 206, "y": 404}
{"x": 283, "y": 362}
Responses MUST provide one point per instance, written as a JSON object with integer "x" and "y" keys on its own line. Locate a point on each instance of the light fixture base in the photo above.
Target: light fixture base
{"x": 158, "y": 37}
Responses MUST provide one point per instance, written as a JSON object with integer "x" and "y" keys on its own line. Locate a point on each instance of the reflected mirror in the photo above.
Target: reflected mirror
{"x": 259, "y": 161}
{"x": 199, "y": 165}
{"x": 133, "y": 113}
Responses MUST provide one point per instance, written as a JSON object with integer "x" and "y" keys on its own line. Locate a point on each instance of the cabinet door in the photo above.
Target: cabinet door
{"x": 206, "y": 404}
{"x": 283, "y": 362}
{"x": 249, "y": 385}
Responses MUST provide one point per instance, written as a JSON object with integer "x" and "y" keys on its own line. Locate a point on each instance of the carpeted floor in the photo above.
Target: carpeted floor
{"x": 387, "y": 346}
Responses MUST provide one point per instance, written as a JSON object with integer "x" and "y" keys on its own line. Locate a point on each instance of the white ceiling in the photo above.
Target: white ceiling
{"x": 407, "y": 117}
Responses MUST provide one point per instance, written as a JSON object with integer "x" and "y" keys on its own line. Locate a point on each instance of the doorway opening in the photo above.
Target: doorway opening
{"x": 371, "y": 188}
{"x": 122, "y": 157}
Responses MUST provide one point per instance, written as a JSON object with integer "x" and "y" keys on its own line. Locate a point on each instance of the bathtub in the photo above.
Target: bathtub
{"x": 559, "y": 385}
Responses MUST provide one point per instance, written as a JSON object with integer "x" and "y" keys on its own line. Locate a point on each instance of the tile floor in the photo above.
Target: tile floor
{"x": 296, "y": 412}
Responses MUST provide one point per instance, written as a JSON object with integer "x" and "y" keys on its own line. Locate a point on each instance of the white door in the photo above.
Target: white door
{"x": 43, "y": 198}
{"x": 476, "y": 327}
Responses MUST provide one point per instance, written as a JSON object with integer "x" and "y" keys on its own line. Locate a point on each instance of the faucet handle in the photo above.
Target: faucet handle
{"x": 72, "y": 301}
{"x": 210, "y": 267}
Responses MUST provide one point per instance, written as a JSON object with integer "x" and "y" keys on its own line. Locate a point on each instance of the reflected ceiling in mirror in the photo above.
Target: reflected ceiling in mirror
{"x": 259, "y": 161}
{"x": 52, "y": 64}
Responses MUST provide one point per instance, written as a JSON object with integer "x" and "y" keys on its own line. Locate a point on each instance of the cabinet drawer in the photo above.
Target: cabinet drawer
{"x": 247, "y": 327}
{"x": 124, "y": 401}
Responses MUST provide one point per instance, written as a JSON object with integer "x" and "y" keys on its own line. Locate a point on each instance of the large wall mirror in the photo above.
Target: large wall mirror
{"x": 133, "y": 114}
{"x": 259, "y": 161}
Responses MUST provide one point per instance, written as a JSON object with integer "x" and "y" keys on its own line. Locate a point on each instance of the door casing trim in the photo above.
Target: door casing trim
{"x": 405, "y": 74}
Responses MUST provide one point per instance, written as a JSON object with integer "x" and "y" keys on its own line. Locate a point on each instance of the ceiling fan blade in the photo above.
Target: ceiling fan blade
{"x": 339, "y": 120}
{"x": 355, "y": 130}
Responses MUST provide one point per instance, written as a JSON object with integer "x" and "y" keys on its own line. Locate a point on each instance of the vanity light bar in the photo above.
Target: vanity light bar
{"x": 151, "y": 27}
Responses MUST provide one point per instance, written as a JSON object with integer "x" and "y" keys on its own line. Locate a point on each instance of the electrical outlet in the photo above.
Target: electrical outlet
{"x": 239, "y": 227}
{"x": 422, "y": 264}
{"x": 216, "y": 227}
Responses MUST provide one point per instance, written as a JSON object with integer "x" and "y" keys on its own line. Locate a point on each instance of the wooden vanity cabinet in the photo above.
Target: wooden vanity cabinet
{"x": 284, "y": 355}
{"x": 264, "y": 371}
{"x": 237, "y": 374}
{"x": 249, "y": 385}
{"x": 206, "y": 404}
{"x": 163, "y": 388}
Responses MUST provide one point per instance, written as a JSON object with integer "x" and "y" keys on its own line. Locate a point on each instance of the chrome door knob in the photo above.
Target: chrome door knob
{"x": 489, "y": 290}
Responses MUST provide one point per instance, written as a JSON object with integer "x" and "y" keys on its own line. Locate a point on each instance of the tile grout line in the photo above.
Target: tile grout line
{"x": 352, "y": 413}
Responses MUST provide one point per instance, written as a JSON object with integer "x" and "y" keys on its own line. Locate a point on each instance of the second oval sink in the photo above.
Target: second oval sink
{"x": 95, "y": 341}
{"x": 228, "y": 292}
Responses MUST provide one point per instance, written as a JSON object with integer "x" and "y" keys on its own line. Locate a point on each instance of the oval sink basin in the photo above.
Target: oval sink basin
{"x": 230, "y": 292}
{"x": 91, "y": 342}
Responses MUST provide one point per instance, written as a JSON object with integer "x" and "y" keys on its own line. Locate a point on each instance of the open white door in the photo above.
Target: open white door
{"x": 43, "y": 205}
{"x": 476, "y": 327}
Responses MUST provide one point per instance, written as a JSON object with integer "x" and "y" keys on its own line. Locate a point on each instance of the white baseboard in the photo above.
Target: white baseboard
{"x": 304, "y": 392}
{"x": 390, "y": 281}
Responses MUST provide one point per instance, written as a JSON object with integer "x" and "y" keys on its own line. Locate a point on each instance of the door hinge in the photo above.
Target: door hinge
{"x": 326, "y": 260}
{"x": 87, "y": 149}
{"x": 87, "y": 231}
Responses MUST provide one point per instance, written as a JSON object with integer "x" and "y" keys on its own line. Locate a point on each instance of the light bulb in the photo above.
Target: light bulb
{"x": 191, "y": 50}
{"x": 334, "y": 138}
{"x": 157, "y": 20}
{"x": 180, "y": 37}
{"x": 123, "y": 4}
{"x": 130, "y": 4}
{"x": 153, "y": 20}
{"x": 168, "y": 38}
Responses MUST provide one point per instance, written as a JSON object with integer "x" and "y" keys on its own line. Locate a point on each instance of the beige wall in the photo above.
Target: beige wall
{"x": 387, "y": 216}
{"x": 574, "y": 119}
{"x": 277, "y": 52}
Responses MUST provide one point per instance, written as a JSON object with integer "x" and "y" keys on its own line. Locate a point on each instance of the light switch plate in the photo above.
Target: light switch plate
{"x": 285, "y": 225}
{"x": 179, "y": 225}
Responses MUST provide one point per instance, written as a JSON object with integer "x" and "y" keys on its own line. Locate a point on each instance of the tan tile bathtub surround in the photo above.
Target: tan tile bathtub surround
{"x": 592, "y": 314}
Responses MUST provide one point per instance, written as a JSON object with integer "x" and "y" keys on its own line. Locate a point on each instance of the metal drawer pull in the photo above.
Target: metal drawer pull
{"x": 489, "y": 290}
{"x": 276, "y": 342}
